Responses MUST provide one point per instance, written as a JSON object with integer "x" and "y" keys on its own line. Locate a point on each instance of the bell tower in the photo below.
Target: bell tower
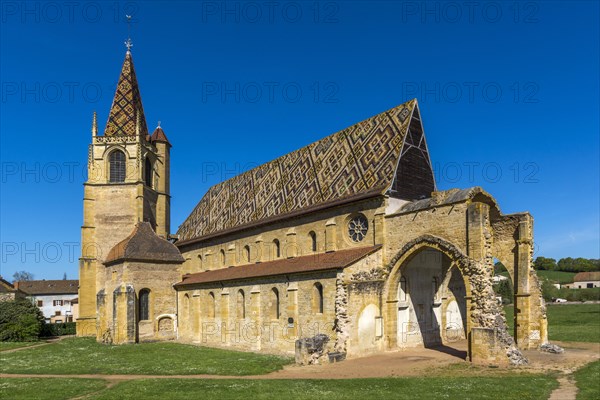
{"x": 128, "y": 182}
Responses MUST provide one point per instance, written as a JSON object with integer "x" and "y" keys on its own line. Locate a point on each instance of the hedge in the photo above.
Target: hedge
{"x": 60, "y": 329}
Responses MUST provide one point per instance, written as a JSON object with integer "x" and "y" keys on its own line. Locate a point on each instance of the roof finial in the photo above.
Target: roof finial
{"x": 94, "y": 124}
{"x": 128, "y": 43}
{"x": 158, "y": 124}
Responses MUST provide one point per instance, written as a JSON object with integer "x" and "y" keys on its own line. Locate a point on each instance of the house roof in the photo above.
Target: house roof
{"x": 386, "y": 153}
{"x": 6, "y": 286}
{"x": 126, "y": 112}
{"x": 587, "y": 276}
{"x": 143, "y": 244}
{"x": 314, "y": 262}
{"x": 49, "y": 286}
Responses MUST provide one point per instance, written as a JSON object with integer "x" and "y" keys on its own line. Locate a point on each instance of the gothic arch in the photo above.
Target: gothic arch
{"x": 481, "y": 312}
{"x": 412, "y": 248}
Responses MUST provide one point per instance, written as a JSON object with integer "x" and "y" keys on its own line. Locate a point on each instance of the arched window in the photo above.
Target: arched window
{"x": 276, "y": 248}
{"x": 313, "y": 241}
{"x": 402, "y": 289}
{"x": 148, "y": 175}
{"x": 200, "y": 262}
{"x": 211, "y": 305}
{"x": 186, "y": 306}
{"x": 275, "y": 303}
{"x": 117, "y": 166}
{"x": 317, "y": 298}
{"x": 241, "y": 305}
{"x": 222, "y": 258}
{"x": 144, "y": 304}
{"x": 247, "y": 253}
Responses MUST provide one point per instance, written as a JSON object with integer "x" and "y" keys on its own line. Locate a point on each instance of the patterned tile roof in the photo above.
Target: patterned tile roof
{"x": 361, "y": 159}
{"x": 126, "y": 109}
{"x": 314, "y": 262}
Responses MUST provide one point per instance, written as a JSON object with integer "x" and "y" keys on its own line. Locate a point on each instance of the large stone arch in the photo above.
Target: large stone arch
{"x": 486, "y": 328}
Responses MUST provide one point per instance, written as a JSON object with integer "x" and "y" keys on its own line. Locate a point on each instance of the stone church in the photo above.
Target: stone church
{"x": 346, "y": 240}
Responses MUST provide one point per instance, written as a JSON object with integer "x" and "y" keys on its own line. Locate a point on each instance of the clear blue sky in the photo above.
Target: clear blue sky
{"x": 509, "y": 94}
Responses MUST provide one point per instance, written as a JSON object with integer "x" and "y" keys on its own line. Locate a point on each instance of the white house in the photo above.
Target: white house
{"x": 53, "y": 297}
{"x": 585, "y": 280}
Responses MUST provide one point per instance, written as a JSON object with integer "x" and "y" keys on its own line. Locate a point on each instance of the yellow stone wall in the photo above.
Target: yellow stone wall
{"x": 159, "y": 278}
{"x": 258, "y": 328}
{"x": 330, "y": 227}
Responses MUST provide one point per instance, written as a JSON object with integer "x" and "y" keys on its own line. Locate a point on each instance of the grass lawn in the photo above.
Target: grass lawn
{"x": 569, "y": 322}
{"x": 554, "y": 276}
{"x": 47, "y": 388}
{"x": 588, "y": 382}
{"x": 85, "y": 356}
{"x": 523, "y": 387}
{"x": 16, "y": 345}
{"x": 557, "y": 276}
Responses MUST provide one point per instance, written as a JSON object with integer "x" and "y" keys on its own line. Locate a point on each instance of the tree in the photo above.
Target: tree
{"x": 20, "y": 276}
{"x": 544, "y": 264}
{"x": 20, "y": 321}
{"x": 499, "y": 267}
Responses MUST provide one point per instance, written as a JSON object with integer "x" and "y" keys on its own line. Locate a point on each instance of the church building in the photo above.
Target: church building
{"x": 346, "y": 240}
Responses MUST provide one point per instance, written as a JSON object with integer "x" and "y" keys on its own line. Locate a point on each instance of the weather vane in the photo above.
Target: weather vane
{"x": 128, "y": 42}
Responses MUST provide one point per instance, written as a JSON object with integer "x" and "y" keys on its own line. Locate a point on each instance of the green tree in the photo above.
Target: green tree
{"x": 499, "y": 267}
{"x": 20, "y": 320}
{"x": 544, "y": 264}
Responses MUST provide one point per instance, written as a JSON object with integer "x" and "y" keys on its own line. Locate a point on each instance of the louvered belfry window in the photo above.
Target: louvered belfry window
{"x": 117, "y": 166}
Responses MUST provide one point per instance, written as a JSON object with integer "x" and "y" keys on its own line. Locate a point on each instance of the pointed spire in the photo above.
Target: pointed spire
{"x": 159, "y": 135}
{"x": 126, "y": 112}
{"x": 95, "y": 125}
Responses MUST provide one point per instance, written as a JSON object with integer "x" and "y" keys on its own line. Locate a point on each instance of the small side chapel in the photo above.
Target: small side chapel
{"x": 346, "y": 239}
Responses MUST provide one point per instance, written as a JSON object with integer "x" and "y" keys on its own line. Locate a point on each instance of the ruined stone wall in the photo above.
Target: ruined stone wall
{"x": 360, "y": 302}
{"x": 463, "y": 231}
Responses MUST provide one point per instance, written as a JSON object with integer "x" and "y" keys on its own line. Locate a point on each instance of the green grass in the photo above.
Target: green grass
{"x": 513, "y": 387}
{"x": 16, "y": 345}
{"x": 588, "y": 382}
{"x": 557, "y": 276}
{"x": 569, "y": 322}
{"x": 554, "y": 276}
{"x": 48, "y": 388}
{"x": 85, "y": 356}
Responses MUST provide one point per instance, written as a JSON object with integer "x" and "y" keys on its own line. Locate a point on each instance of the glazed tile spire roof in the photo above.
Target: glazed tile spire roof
{"x": 126, "y": 111}
{"x": 386, "y": 153}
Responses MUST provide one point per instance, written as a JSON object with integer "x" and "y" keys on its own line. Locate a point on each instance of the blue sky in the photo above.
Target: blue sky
{"x": 508, "y": 91}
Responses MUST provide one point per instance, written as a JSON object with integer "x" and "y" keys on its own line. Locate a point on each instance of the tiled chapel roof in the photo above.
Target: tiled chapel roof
{"x": 126, "y": 110}
{"x": 356, "y": 162}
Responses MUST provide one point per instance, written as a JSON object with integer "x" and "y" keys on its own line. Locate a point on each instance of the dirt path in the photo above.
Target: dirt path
{"x": 566, "y": 389}
{"x": 45, "y": 343}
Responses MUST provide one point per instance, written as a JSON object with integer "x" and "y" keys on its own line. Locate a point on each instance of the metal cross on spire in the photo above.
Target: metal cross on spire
{"x": 128, "y": 43}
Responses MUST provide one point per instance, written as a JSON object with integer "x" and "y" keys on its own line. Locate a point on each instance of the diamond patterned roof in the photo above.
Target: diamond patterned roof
{"x": 127, "y": 107}
{"x": 364, "y": 158}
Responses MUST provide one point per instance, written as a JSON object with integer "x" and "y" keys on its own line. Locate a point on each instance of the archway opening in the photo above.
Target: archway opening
{"x": 432, "y": 304}
{"x": 505, "y": 295}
